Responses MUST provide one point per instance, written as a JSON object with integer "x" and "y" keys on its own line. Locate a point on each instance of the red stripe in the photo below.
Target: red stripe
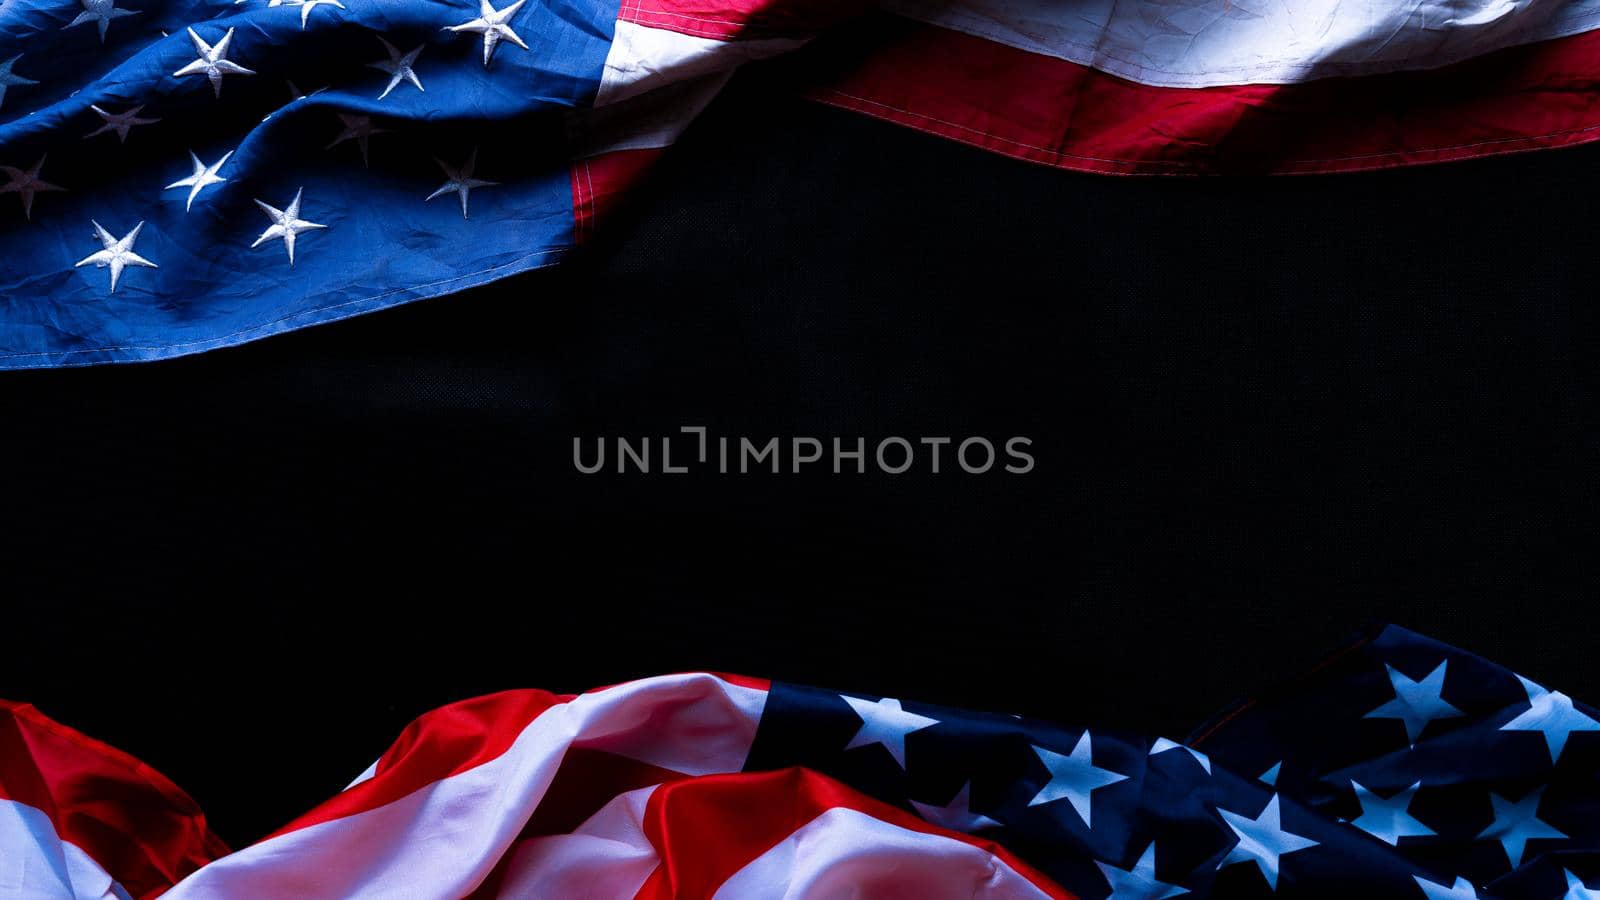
{"x": 587, "y": 780}
{"x": 145, "y": 832}
{"x": 706, "y": 829}
{"x": 745, "y": 681}
{"x": 599, "y": 184}
{"x": 725, "y": 20}
{"x": 455, "y": 738}
{"x": 1063, "y": 114}
{"x": 441, "y": 743}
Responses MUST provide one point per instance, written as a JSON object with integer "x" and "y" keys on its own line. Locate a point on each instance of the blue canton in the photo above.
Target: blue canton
{"x": 1402, "y": 768}
{"x": 177, "y": 175}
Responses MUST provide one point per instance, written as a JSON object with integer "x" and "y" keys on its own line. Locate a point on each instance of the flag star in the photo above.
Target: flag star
{"x": 306, "y": 6}
{"x": 1576, "y": 889}
{"x": 957, "y": 815}
{"x": 286, "y": 224}
{"x": 309, "y": 5}
{"x": 460, "y": 181}
{"x": 1139, "y": 882}
{"x": 882, "y": 722}
{"x": 359, "y": 129}
{"x": 100, "y": 12}
{"x": 116, "y": 253}
{"x": 1262, "y": 841}
{"x": 1270, "y": 776}
{"x": 121, "y": 122}
{"x": 203, "y": 176}
{"x": 25, "y": 183}
{"x": 1416, "y": 703}
{"x": 493, "y": 25}
{"x": 1074, "y": 777}
{"x": 1516, "y": 823}
{"x": 213, "y": 62}
{"x": 1461, "y": 890}
{"x": 1162, "y": 745}
{"x": 399, "y": 67}
{"x": 9, "y": 79}
{"x": 1389, "y": 819}
{"x": 1552, "y": 714}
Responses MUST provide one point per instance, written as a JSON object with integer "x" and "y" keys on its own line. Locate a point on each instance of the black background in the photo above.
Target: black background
{"x": 1264, "y": 412}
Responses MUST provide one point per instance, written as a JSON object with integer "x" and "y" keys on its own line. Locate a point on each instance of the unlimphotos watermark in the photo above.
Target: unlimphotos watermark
{"x": 738, "y": 455}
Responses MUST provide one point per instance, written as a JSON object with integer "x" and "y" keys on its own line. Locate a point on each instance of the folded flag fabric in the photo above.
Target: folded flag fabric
{"x": 193, "y": 174}
{"x": 1401, "y": 767}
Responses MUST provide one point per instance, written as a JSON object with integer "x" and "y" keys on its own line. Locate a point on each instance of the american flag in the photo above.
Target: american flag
{"x": 193, "y": 174}
{"x": 1400, "y": 767}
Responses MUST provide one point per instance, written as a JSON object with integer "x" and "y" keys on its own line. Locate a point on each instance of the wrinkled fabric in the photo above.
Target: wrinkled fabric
{"x": 182, "y": 175}
{"x": 291, "y": 130}
{"x": 1399, "y": 767}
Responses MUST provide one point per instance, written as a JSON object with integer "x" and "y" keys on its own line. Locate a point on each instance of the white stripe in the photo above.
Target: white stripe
{"x": 1198, "y": 43}
{"x": 443, "y": 840}
{"x": 366, "y": 774}
{"x": 607, "y": 858}
{"x": 642, "y": 59}
{"x": 694, "y": 724}
{"x": 643, "y": 122}
{"x": 654, "y": 83}
{"x": 36, "y": 863}
{"x": 846, "y": 853}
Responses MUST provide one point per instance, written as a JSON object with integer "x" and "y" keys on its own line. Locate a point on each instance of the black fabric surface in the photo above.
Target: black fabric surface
{"x": 1264, "y": 412}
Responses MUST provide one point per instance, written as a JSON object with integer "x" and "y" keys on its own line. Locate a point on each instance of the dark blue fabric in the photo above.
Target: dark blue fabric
{"x": 382, "y": 244}
{"x": 1302, "y": 749}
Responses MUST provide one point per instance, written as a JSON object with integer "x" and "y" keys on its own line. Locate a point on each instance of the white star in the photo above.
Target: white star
{"x": 1389, "y": 819}
{"x": 957, "y": 815}
{"x": 1074, "y": 777}
{"x": 1552, "y": 713}
{"x": 213, "y": 62}
{"x": 306, "y": 6}
{"x": 1416, "y": 702}
{"x": 1461, "y": 890}
{"x": 203, "y": 176}
{"x": 1262, "y": 841}
{"x": 121, "y": 122}
{"x": 9, "y": 79}
{"x": 1162, "y": 745}
{"x": 460, "y": 180}
{"x": 1576, "y": 889}
{"x": 118, "y": 254}
{"x": 492, "y": 24}
{"x": 100, "y": 12}
{"x": 398, "y": 66}
{"x": 286, "y": 223}
{"x": 358, "y": 129}
{"x": 884, "y": 722}
{"x": 1139, "y": 882}
{"x": 26, "y": 183}
{"x": 1516, "y": 823}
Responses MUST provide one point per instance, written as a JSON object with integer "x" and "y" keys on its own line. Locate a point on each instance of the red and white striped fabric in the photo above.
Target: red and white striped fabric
{"x": 629, "y": 791}
{"x": 1142, "y": 87}
{"x": 81, "y": 819}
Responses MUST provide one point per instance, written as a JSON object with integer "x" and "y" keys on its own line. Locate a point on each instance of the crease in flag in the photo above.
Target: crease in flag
{"x": 1401, "y": 767}
{"x": 184, "y": 175}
